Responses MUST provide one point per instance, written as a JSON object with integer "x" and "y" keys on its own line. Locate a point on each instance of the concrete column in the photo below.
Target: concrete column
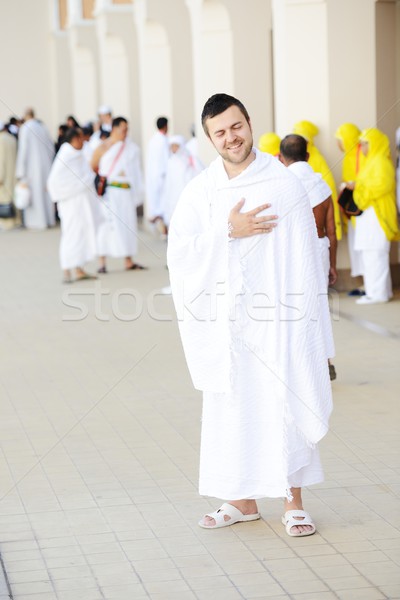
{"x": 118, "y": 55}
{"x": 212, "y": 48}
{"x": 84, "y": 63}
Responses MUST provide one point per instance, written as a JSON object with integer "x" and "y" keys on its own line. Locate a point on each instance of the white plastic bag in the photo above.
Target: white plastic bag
{"x": 22, "y": 195}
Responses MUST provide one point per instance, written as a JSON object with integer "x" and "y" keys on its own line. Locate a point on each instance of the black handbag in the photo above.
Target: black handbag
{"x": 347, "y": 204}
{"x": 100, "y": 183}
{"x": 7, "y": 211}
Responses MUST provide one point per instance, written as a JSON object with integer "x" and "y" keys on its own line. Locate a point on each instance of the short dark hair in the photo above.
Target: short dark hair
{"x": 219, "y": 103}
{"x": 161, "y": 122}
{"x": 294, "y": 148}
{"x": 71, "y": 134}
{"x": 117, "y": 121}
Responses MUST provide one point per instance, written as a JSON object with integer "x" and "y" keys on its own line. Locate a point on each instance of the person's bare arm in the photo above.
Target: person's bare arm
{"x": 97, "y": 154}
{"x": 331, "y": 233}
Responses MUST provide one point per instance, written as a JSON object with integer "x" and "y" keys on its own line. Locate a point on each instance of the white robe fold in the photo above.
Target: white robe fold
{"x": 181, "y": 169}
{"x": 71, "y": 185}
{"x": 156, "y": 169}
{"x": 118, "y": 233}
{"x": 258, "y": 301}
{"x": 34, "y": 160}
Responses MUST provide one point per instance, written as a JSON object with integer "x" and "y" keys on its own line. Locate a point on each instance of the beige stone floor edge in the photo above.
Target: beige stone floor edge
{"x": 99, "y": 444}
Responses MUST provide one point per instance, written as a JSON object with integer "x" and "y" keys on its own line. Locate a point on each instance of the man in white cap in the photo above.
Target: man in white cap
{"x": 8, "y": 155}
{"x": 105, "y": 125}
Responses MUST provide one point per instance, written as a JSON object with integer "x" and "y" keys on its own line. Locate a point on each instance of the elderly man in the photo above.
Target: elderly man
{"x": 294, "y": 155}
{"x": 71, "y": 185}
{"x": 247, "y": 288}
{"x": 34, "y": 160}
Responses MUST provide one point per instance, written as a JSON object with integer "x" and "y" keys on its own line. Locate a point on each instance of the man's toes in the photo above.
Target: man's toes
{"x": 209, "y": 521}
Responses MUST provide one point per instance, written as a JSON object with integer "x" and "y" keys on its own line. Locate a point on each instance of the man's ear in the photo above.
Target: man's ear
{"x": 307, "y": 156}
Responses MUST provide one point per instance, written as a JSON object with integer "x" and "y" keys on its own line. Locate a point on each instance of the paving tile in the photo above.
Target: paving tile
{"x": 111, "y": 512}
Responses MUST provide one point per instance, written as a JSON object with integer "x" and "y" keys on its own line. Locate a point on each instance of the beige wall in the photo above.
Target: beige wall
{"x": 26, "y": 64}
{"x": 330, "y": 61}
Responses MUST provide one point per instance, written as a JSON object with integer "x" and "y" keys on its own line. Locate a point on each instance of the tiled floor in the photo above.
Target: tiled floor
{"x": 99, "y": 437}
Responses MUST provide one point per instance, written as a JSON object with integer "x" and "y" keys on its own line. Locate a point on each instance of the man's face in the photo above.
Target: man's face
{"x": 77, "y": 142}
{"x": 105, "y": 119}
{"x": 122, "y": 131}
{"x": 231, "y": 135}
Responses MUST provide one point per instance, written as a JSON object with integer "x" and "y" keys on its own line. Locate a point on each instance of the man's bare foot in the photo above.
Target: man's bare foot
{"x": 247, "y": 507}
{"x": 297, "y": 504}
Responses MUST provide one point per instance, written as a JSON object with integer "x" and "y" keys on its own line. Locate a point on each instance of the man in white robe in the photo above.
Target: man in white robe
{"x": 118, "y": 159}
{"x": 156, "y": 169}
{"x": 247, "y": 289}
{"x": 34, "y": 160}
{"x": 294, "y": 155}
{"x": 181, "y": 168}
{"x": 71, "y": 186}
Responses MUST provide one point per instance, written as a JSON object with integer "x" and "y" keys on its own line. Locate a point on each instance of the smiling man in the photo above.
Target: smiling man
{"x": 253, "y": 316}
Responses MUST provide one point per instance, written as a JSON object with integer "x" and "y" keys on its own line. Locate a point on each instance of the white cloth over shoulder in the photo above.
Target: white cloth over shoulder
{"x": 317, "y": 189}
{"x": 181, "y": 169}
{"x": 156, "y": 169}
{"x": 266, "y": 292}
{"x": 70, "y": 184}
{"x": 34, "y": 160}
{"x": 118, "y": 234}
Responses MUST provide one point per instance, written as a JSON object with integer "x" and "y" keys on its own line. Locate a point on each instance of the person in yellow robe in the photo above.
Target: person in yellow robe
{"x": 270, "y": 142}
{"x": 347, "y": 136}
{"x": 316, "y": 160}
{"x": 377, "y": 226}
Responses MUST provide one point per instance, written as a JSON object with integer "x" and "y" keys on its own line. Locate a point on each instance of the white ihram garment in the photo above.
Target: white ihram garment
{"x": 156, "y": 169}
{"x": 317, "y": 191}
{"x": 118, "y": 234}
{"x": 34, "y": 160}
{"x": 254, "y": 331}
{"x": 181, "y": 169}
{"x": 371, "y": 240}
{"x": 70, "y": 184}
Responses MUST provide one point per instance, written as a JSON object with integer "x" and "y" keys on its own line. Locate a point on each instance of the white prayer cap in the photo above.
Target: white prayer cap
{"x": 179, "y": 140}
{"x": 104, "y": 109}
{"x": 2, "y": 125}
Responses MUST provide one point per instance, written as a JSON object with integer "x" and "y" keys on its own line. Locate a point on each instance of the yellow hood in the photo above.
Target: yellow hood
{"x": 269, "y": 142}
{"x": 353, "y": 159}
{"x": 375, "y": 184}
{"x": 378, "y": 143}
{"x": 349, "y": 135}
{"x": 306, "y": 129}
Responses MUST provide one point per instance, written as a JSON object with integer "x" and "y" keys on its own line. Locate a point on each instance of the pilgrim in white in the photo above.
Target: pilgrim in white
{"x": 71, "y": 186}
{"x": 246, "y": 281}
{"x": 34, "y": 160}
{"x": 118, "y": 159}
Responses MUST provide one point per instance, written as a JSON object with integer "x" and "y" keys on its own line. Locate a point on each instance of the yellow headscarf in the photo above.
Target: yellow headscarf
{"x": 269, "y": 142}
{"x": 318, "y": 163}
{"x": 375, "y": 184}
{"x": 353, "y": 159}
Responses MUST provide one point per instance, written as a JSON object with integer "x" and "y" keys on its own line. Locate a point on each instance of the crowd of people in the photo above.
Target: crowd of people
{"x": 37, "y": 176}
{"x": 60, "y": 181}
{"x": 365, "y": 207}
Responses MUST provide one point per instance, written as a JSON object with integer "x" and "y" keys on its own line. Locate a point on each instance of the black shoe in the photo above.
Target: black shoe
{"x": 356, "y": 292}
{"x": 332, "y": 372}
{"x": 102, "y": 270}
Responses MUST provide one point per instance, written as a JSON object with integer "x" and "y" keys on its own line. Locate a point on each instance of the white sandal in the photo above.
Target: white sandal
{"x": 289, "y": 521}
{"x": 236, "y": 516}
